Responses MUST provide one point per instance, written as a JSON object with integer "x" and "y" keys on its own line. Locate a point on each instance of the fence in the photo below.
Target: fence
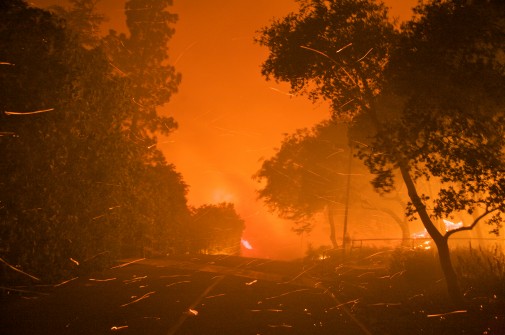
{"x": 417, "y": 242}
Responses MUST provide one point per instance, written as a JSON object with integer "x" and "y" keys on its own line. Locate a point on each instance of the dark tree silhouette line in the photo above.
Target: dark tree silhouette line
{"x": 82, "y": 181}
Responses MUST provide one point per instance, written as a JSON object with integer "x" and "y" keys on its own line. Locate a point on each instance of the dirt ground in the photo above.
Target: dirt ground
{"x": 236, "y": 295}
{"x": 229, "y": 295}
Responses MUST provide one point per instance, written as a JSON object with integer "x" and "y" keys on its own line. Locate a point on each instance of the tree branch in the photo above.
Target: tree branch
{"x": 418, "y": 203}
{"x": 470, "y": 227}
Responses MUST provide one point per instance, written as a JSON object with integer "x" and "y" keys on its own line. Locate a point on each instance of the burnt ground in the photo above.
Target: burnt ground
{"x": 235, "y": 295}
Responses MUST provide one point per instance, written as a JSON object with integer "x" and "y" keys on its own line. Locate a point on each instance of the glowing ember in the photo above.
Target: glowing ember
{"x": 246, "y": 244}
{"x": 113, "y": 328}
{"x": 252, "y": 282}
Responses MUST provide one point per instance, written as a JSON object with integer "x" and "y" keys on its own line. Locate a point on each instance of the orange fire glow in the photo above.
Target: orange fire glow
{"x": 246, "y": 244}
{"x": 229, "y": 116}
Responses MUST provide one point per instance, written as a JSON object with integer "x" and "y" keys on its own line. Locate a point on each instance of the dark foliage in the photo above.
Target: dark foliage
{"x": 81, "y": 177}
{"x": 427, "y": 98}
{"x": 215, "y": 229}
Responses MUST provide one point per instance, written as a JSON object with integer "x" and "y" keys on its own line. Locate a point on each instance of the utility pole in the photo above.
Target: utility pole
{"x": 348, "y": 191}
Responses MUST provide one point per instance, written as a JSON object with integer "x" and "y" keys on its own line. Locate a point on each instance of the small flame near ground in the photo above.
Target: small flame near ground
{"x": 246, "y": 244}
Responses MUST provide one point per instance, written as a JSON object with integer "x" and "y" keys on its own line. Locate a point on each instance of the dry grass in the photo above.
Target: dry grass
{"x": 402, "y": 291}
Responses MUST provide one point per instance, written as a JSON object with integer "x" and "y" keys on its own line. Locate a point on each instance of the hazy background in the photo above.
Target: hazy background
{"x": 229, "y": 116}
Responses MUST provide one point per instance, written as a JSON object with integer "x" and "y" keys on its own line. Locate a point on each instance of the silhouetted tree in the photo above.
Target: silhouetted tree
{"x": 429, "y": 96}
{"x": 75, "y": 180}
{"x": 309, "y": 174}
{"x": 164, "y": 211}
{"x": 83, "y": 19}
{"x": 215, "y": 229}
{"x": 142, "y": 58}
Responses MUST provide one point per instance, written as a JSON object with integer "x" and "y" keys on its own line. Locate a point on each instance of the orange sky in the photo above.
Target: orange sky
{"x": 229, "y": 116}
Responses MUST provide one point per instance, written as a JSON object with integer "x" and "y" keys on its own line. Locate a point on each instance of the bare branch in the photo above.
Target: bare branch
{"x": 470, "y": 227}
{"x": 368, "y": 205}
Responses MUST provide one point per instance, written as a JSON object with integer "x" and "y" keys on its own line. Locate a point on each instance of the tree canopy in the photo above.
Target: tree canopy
{"x": 426, "y": 96}
{"x": 216, "y": 229}
{"x": 314, "y": 170}
{"x": 449, "y": 72}
{"x": 80, "y": 172}
{"x": 307, "y": 173}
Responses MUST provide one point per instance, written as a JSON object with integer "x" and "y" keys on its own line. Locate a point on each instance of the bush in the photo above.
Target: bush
{"x": 419, "y": 267}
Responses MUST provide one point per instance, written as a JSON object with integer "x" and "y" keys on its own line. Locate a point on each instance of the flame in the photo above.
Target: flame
{"x": 246, "y": 244}
{"x": 449, "y": 225}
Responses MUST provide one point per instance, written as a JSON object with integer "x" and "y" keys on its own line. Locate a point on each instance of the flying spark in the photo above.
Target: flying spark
{"x": 114, "y": 328}
{"x": 344, "y": 47}
{"x": 145, "y": 296}
{"x": 282, "y": 92}
{"x": 29, "y": 113}
{"x": 179, "y": 282}
{"x": 251, "y": 282}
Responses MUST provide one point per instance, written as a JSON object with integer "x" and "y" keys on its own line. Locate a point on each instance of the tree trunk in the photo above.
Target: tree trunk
{"x": 451, "y": 279}
{"x": 478, "y": 229}
{"x": 347, "y": 195}
{"x": 404, "y": 226}
{"x": 402, "y": 222}
{"x": 441, "y": 242}
{"x": 331, "y": 221}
